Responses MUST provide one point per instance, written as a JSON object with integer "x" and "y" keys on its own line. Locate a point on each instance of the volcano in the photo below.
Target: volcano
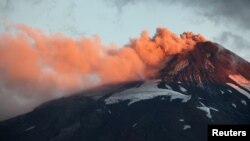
{"x": 206, "y": 85}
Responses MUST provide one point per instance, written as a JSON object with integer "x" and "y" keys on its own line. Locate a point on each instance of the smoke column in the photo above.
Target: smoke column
{"x": 36, "y": 67}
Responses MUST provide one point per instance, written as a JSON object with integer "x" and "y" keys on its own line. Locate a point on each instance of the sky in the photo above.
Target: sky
{"x": 226, "y": 22}
{"x": 83, "y": 44}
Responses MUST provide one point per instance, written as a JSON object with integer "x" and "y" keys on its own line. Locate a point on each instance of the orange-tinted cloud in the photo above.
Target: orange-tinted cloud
{"x": 39, "y": 65}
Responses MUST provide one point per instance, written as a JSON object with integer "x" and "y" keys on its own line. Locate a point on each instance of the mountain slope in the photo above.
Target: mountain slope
{"x": 206, "y": 63}
{"x": 208, "y": 85}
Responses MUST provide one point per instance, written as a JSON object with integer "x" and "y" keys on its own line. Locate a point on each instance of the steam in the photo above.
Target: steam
{"x": 36, "y": 67}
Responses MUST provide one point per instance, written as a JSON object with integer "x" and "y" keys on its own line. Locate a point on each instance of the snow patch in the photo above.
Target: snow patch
{"x": 244, "y": 102}
{"x": 181, "y": 120}
{"x": 209, "y": 66}
{"x": 167, "y": 86}
{"x": 134, "y": 124}
{"x": 186, "y": 127}
{"x": 109, "y": 112}
{"x": 182, "y": 89}
{"x": 247, "y": 86}
{"x": 180, "y": 66}
{"x": 239, "y": 79}
{"x": 206, "y": 109}
{"x": 212, "y": 108}
{"x": 157, "y": 81}
{"x": 30, "y": 128}
{"x": 234, "y": 105}
{"x": 230, "y": 91}
{"x": 222, "y": 92}
{"x": 245, "y": 93}
{"x": 146, "y": 91}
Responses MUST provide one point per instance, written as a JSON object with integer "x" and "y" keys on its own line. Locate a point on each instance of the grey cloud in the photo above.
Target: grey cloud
{"x": 5, "y": 6}
{"x": 236, "y": 43}
{"x": 119, "y": 4}
{"x": 226, "y": 12}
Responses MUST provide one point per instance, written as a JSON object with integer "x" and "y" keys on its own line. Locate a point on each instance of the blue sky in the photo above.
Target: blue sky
{"x": 116, "y": 21}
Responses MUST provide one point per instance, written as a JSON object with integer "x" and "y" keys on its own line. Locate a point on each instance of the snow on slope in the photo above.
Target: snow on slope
{"x": 239, "y": 79}
{"x": 207, "y": 109}
{"x": 245, "y": 93}
{"x": 148, "y": 90}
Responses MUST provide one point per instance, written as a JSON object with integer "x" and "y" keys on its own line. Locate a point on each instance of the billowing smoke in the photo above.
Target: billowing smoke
{"x": 36, "y": 67}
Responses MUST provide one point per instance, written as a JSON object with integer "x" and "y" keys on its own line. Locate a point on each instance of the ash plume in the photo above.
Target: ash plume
{"x": 36, "y": 67}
